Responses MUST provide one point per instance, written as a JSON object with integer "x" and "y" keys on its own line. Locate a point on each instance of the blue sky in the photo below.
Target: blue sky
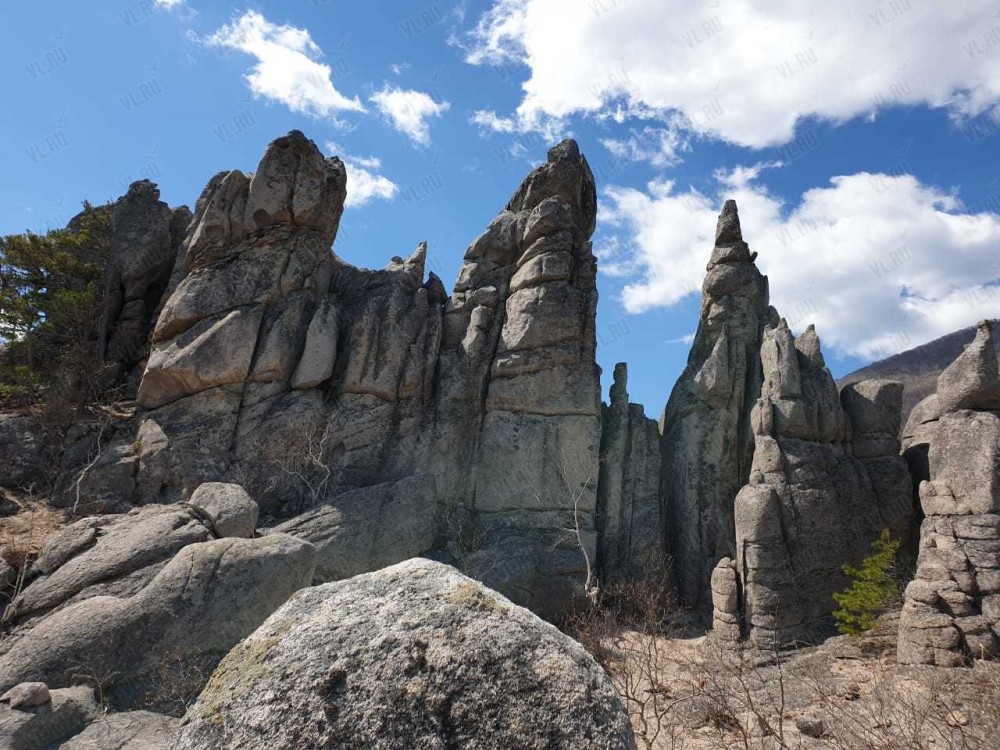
{"x": 860, "y": 140}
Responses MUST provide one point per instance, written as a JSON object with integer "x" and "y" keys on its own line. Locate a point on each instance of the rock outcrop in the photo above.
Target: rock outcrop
{"x": 128, "y": 730}
{"x": 517, "y": 414}
{"x": 415, "y": 655}
{"x": 331, "y": 389}
{"x": 120, "y": 598}
{"x": 951, "y": 611}
{"x": 146, "y": 235}
{"x": 66, "y": 713}
{"x": 630, "y": 515}
{"x": 826, "y": 478}
{"x": 707, "y": 441}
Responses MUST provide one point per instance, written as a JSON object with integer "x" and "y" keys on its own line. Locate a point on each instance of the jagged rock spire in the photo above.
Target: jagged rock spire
{"x": 727, "y": 230}
{"x": 707, "y": 442}
{"x": 972, "y": 381}
{"x": 519, "y": 390}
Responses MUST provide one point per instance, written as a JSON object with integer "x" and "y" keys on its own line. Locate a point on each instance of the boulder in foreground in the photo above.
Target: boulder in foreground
{"x": 412, "y": 656}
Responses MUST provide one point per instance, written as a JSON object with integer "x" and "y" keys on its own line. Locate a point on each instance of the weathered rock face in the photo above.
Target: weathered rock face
{"x": 48, "y": 725}
{"x": 145, "y": 237}
{"x": 120, "y": 601}
{"x": 368, "y": 528}
{"x": 707, "y": 441}
{"x": 518, "y": 406}
{"x": 825, "y": 479}
{"x": 128, "y": 730}
{"x": 952, "y": 608}
{"x": 276, "y": 365}
{"x": 416, "y": 655}
{"x": 630, "y": 515}
{"x": 106, "y": 555}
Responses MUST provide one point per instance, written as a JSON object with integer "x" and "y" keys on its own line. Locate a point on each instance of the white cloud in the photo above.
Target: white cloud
{"x": 408, "y": 111}
{"x": 363, "y": 183}
{"x": 686, "y": 339}
{"x": 288, "y": 69}
{"x": 880, "y": 263}
{"x": 499, "y": 33}
{"x": 747, "y": 71}
{"x": 661, "y": 147}
{"x": 169, "y": 3}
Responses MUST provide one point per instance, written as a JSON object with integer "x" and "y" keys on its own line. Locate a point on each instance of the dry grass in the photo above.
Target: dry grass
{"x": 693, "y": 692}
{"x": 23, "y": 535}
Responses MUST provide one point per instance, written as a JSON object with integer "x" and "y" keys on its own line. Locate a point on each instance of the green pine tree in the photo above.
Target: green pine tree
{"x": 873, "y": 589}
{"x": 50, "y": 295}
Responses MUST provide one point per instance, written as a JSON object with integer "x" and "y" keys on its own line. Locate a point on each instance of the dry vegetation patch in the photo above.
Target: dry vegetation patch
{"x": 688, "y": 690}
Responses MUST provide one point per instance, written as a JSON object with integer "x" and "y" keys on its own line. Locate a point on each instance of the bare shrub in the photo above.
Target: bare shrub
{"x": 628, "y": 628}
{"x": 303, "y": 462}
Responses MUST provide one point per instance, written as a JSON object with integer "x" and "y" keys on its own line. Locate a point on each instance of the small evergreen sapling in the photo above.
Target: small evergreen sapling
{"x": 873, "y": 588}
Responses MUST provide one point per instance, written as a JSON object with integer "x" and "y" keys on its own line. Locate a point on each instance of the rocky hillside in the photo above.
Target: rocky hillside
{"x": 357, "y": 458}
{"x": 917, "y": 368}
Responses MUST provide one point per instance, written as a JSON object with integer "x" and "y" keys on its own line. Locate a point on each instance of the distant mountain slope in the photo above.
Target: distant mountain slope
{"x": 917, "y": 368}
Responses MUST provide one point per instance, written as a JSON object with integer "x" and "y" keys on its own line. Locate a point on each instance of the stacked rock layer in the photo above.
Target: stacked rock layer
{"x": 952, "y": 608}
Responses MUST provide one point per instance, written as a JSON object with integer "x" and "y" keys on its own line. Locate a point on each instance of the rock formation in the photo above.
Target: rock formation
{"x": 707, "y": 441}
{"x": 375, "y": 417}
{"x": 415, "y": 655}
{"x": 128, "y": 730}
{"x": 114, "y": 598}
{"x": 630, "y": 515}
{"x": 952, "y": 608}
{"x": 517, "y": 415}
{"x": 338, "y": 390}
{"x": 67, "y": 712}
{"x": 146, "y": 236}
{"x": 825, "y": 479}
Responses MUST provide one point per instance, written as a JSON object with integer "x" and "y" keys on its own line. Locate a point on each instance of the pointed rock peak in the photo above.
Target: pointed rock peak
{"x": 567, "y": 149}
{"x": 808, "y": 346}
{"x": 419, "y": 255}
{"x": 144, "y": 189}
{"x": 435, "y": 288}
{"x": 972, "y": 381}
{"x": 727, "y": 230}
{"x": 619, "y": 389}
{"x": 413, "y": 265}
{"x": 296, "y": 186}
{"x": 565, "y": 175}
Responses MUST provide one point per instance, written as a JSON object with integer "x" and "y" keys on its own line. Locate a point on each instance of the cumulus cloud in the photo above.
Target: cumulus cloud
{"x": 169, "y": 3}
{"x": 288, "y": 68}
{"x": 364, "y": 184}
{"x": 408, "y": 111}
{"x": 661, "y": 147}
{"x": 746, "y": 72}
{"x": 880, "y": 263}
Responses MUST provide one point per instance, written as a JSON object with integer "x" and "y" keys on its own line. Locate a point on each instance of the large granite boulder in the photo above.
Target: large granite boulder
{"x": 707, "y": 441}
{"x": 951, "y": 611}
{"x": 415, "y": 655}
{"x": 227, "y": 508}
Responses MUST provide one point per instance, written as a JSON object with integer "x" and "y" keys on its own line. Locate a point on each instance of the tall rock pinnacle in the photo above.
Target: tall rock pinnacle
{"x": 518, "y": 414}
{"x": 707, "y": 443}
